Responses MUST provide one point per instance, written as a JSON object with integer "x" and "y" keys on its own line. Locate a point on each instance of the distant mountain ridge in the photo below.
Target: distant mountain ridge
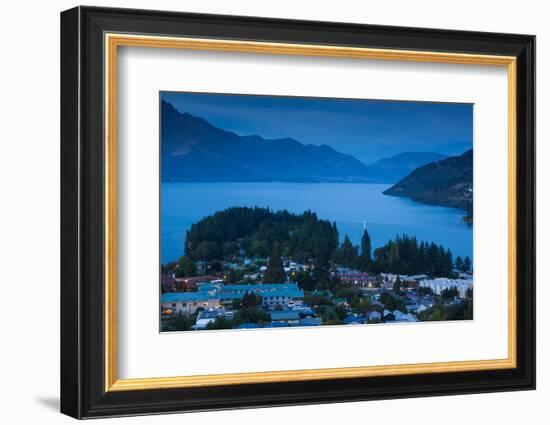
{"x": 194, "y": 150}
{"x": 393, "y": 169}
{"x": 448, "y": 183}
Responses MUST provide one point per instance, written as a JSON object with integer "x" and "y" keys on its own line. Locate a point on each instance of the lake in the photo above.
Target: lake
{"x": 348, "y": 204}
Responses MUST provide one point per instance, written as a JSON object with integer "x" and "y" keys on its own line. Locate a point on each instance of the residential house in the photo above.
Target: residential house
{"x": 188, "y": 302}
{"x": 290, "y": 317}
{"x": 191, "y": 283}
{"x": 205, "y": 317}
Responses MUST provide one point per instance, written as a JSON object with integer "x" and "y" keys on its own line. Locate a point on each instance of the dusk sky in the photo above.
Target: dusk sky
{"x": 367, "y": 129}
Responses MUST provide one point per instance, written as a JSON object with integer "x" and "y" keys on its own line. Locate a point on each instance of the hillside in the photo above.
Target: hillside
{"x": 257, "y": 230}
{"x": 448, "y": 183}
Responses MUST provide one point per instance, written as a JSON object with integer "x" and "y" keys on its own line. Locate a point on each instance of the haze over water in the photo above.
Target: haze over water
{"x": 348, "y": 204}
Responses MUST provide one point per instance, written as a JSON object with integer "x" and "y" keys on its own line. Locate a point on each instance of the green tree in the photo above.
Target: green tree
{"x": 207, "y": 250}
{"x": 362, "y": 305}
{"x": 340, "y": 312}
{"x": 251, "y": 315}
{"x": 392, "y": 302}
{"x": 230, "y": 277}
{"x": 366, "y": 245}
{"x": 330, "y": 317}
{"x": 424, "y": 290}
{"x": 436, "y": 315}
{"x": 250, "y": 299}
{"x": 259, "y": 248}
{"x": 178, "y": 322}
{"x": 449, "y": 293}
{"x": 346, "y": 254}
{"x": 467, "y": 264}
{"x": 275, "y": 272}
{"x": 397, "y": 285}
{"x": 230, "y": 249}
{"x": 220, "y": 323}
{"x": 304, "y": 280}
{"x": 185, "y": 267}
{"x": 459, "y": 264}
{"x": 365, "y": 259}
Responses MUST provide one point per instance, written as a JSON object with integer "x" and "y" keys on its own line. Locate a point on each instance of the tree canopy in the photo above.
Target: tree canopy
{"x": 256, "y": 230}
{"x": 404, "y": 255}
{"x": 275, "y": 272}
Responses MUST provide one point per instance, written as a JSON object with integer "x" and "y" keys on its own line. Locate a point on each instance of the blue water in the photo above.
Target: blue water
{"x": 349, "y": 204}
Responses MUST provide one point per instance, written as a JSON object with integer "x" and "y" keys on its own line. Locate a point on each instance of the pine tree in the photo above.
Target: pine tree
{"x": 448, "y": 263}
{"x": 366, "y": 246}
{"x": 185, "y": 267}
{"x": 467, "y": 264}
{"x": 397, "y": 285}
{"x": 348, "y": 252}
{"x": 459, "y": 264}
{"x": 275, "y": 272}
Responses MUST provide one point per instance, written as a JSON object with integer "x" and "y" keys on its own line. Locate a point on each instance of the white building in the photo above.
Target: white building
{"x": 439, "y": 284}
{"x": 206, "y": 317}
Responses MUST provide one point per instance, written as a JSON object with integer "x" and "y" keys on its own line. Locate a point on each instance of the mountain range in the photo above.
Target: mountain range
{"x": 193, "y": 149}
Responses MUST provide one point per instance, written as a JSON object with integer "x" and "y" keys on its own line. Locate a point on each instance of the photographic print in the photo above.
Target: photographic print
{"x": 281, "y": 211}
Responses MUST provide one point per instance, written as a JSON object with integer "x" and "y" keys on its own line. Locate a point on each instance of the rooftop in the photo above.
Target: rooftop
{"x": 184, "y": 297}
{"x": 285, "y": 315}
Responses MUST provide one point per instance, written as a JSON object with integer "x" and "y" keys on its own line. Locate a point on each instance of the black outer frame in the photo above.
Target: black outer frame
{"x": 82, "y": 219}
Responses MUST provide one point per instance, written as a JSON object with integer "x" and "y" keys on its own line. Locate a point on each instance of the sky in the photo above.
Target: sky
{"x": 367, "y": 129}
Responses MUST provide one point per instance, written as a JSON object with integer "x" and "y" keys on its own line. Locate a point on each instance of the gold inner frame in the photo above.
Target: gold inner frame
{"x": 113, "y": 41}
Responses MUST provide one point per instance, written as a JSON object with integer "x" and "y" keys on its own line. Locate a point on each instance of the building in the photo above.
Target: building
{"x": 374, "y": 316}
{"x": 304, "y": 311}
{"x": 341, "y": 301}
{"x": 439, "y": 284}
{"x": 355, "y": 278}
{"x": 205, "y": 317}
{"x": 418, "y": 277}
{"x": 191, "y": 283}
{"x": 310, "y": 321}
{"x": 168, "y": 282}
{"x": 211, "y": 288}
{"x": 402, "y": 317}
{"x": 188, "y": 302}
{"x": 273, "y": 294}
{"x": 212, "y": 295}
{"x": 355, "y": 319}
{"x": 290, "y": 317}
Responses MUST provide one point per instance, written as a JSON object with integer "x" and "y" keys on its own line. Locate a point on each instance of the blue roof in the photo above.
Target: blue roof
{"x": 208, "y": 314}
{"x": 265, "y": 290}
{"x": 205, "y": 287}
{"x": 184, "y": 297}
{"x": 284, "y": 315}
{"x": 231, "y": 292}
{"x": 355, "y": 319}
{"x": 249, "y": 326}
{"x": 262, "y": 287}
{"x": 313, "y": 321}
{"x": 277, "y": 325}
{"x": 305, "y": 311}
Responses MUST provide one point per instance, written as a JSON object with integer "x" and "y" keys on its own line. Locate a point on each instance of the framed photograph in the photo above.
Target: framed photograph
{"x": 261, "y": 212}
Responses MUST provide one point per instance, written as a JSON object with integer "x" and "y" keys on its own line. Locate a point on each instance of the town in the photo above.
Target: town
{"x": 219, "y": 301}
{"x": 257, "y": 268}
